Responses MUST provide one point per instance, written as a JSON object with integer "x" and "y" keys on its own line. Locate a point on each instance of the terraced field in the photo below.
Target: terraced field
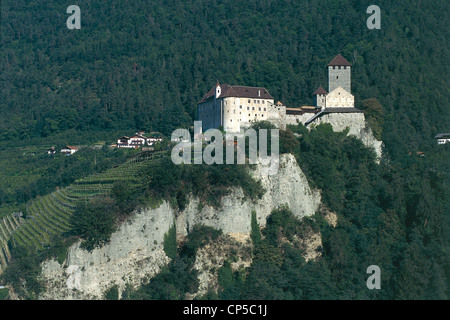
{"x": 8, "y": 225}
{"x": 50, "y": 215}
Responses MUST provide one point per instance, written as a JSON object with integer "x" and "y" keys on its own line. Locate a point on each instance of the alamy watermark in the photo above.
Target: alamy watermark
{"x": 74, "y": 21}
{"x": 374, "y": 281}
{"x": 192, "y": 152}
{"x": 374, "y": 21}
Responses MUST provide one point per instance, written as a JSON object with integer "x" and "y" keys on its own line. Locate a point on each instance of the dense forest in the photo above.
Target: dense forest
{"x": 144, "y": 65}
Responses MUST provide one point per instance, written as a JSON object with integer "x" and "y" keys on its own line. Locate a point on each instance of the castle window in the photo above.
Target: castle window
{"x": 249, "y": 100}
{"x": 337, "y": 77}
{"x": 248, "y": 108}
{"x": 339, "y": 67}
{"x": 258, "y": 101}
{"x": 345, "y": 67}
{"x": 334, "y": 67}
{"x": 234, "y": 111}
{"x": 263, "y": 102}
{"x": 259, "y": 109}
{"x": 240, "y": 107}
{"x": 264, "y": 109}
{"x": 253, "y": 108}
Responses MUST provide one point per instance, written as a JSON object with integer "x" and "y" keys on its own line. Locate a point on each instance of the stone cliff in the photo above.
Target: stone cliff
{"x": 135, "y": 252}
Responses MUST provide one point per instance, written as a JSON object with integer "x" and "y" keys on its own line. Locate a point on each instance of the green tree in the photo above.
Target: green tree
{"x": 373, "y": 110}
{"x": 94, "y": 221}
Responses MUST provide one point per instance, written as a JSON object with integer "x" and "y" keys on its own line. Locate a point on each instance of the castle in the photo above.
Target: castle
{"x": 236, "y": 107}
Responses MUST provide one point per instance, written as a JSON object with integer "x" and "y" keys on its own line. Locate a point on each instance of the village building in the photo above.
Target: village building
{"x": 137, "y": 141}
{"x": 442, "y": 138}
{"x": 69, "y": 150}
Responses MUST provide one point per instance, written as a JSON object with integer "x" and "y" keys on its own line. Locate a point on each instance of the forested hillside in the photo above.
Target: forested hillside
{"x": 143, "y": 65}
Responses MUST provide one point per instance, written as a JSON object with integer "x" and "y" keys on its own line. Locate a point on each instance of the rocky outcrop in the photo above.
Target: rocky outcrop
{"x": 357, "y": 125}
{"x": 211, "y": 257}
{"x": 135, "y": 252}
{"x": 288, "y": 187}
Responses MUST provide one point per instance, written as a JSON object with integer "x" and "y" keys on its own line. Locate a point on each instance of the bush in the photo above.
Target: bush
{"x": 94, "y": 221}
{"x": 112, "y": 293}
{"x": 174, "y": 183}
{"x": 170, "y": 242}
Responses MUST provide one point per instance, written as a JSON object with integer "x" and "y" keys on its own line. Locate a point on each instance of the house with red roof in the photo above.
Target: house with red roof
{"x": 69, "y": 150}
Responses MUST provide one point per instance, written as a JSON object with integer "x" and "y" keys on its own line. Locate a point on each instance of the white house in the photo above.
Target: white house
{"x": 136, "y": 141}
{"x": 442, "y": 138}
{"x": 68, "y": 150}
{"x": 123, "y": 142}
{"x": 151, "y": 140}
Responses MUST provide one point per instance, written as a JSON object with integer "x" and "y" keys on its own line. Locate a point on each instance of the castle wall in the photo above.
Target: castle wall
{"x": 292, "y": 119}
{"x": 277, "y": 115}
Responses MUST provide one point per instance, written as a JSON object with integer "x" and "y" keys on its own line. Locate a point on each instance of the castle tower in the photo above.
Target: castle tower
{"x": 319, "y": 97}
{"x": 218, "y": 90}
{"x": 339, "y": 74}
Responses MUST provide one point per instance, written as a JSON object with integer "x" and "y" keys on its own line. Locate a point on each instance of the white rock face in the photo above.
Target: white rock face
{"x": 288, "y": 187}
{"x": 135, "y": 251}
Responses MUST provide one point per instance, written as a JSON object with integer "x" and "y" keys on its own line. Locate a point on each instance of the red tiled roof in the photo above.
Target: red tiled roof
{"x": 320, "y": 90}
{"x": 238, "y": 91}
{"x": 339, "y": 61}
